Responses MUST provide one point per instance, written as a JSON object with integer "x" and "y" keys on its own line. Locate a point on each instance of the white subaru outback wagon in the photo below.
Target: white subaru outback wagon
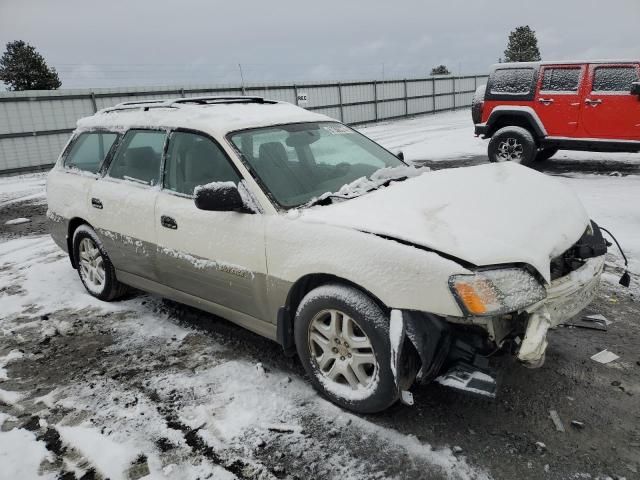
{"x": 303, "y": 230}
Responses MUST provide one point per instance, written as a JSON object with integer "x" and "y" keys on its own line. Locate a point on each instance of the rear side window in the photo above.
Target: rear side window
{"x": 89, "y": 151}
{"x": 194, "y": 160}
{"x": 561, "y": 79}
{"x": 512, "y": 81}
{"x": 614, "y": 79}
{"x": 138, "y": 158}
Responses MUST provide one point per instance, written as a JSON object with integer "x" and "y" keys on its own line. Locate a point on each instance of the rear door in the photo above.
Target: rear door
{"x": 557, "y": 100}
{"x": 216, "y": 256}
{"x": 122, "y": 203}
{"x": 610, "y": 111}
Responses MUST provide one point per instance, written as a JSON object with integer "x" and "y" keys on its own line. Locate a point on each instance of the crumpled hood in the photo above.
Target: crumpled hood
{"x": 486, "y": 215}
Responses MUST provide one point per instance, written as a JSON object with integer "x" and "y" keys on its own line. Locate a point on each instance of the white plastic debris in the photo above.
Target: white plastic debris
{"x": 406, "y": 397}
{"x": 598, "y": 318}
{"x": 556, "y": 420}
{"x": 17, "y": 221}
{"x": 605, "y": 356}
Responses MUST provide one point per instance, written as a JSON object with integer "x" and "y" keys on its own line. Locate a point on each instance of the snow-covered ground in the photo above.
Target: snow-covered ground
{"x": 154, "y": 396}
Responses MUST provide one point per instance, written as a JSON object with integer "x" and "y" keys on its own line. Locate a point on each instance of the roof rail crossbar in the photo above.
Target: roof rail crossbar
{"x": 221, "y": 99}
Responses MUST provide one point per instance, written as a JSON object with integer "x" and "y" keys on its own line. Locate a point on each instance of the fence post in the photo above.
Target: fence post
{"x": 295, "y": 92}
{"x": 433, "y": 94}
{"x": 340, "y": 102}
{"x": 93, "y": 102}
{"x": 406, "y": 99}
{"x": 454, "y": 92}
{"x": 375, "y": 98}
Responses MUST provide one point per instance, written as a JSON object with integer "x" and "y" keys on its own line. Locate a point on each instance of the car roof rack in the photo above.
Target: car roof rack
{"x": 146, "y": 105}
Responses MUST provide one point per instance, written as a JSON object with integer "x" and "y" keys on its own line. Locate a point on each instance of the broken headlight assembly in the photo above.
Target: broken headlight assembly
{"x": 496, "y": 291}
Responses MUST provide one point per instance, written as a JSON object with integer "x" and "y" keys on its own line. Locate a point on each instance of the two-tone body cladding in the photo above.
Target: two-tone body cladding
{"x": 302, "y": 230}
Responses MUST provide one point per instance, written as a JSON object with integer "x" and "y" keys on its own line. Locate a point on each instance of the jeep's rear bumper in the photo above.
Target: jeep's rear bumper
{"x": 566, "y": 297}
{"x": 480, "y": 129}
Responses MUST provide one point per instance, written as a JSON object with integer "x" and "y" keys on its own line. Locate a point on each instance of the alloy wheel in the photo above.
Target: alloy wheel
{"x": 511, "y": 150}
{"x": 91, "y": 265}
{"x": 341, "y": 350}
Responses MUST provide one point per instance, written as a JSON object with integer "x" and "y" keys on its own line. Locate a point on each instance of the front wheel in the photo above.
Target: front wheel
{"x": 342, "y": 339}
{"x": 512, "y": 144}
{"x": 94, "y": 266}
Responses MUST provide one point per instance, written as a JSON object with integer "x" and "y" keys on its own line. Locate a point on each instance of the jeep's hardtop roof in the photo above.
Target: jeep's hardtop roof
{"x": 213, "y": 115}
{"x": 559, "y": 62}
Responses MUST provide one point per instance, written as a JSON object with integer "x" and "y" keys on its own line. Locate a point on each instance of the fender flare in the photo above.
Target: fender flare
{"x": 526, "y": 113}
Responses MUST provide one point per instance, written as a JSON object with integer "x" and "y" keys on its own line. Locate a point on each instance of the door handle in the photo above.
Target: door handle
{"x": 168, "y": 222}
{"x": 96, "y": 203}
{"x": 593, "y": 103}
{"x": 546, "y": 101}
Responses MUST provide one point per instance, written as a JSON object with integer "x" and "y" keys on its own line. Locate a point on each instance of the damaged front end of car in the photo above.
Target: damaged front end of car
{"x": 506, "y": 309}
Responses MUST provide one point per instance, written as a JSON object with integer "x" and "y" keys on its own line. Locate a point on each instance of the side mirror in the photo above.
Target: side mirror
{"x": 400, "y": 155}
{"x": 220, "y": 197}
{"x": 635, "y": 88}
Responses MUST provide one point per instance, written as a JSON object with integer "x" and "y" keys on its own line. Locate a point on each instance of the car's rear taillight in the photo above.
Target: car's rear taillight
{"x": 477, "y": 104}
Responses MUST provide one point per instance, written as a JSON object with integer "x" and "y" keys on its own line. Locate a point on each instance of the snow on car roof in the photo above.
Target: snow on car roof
{"x": 215, "y": 118}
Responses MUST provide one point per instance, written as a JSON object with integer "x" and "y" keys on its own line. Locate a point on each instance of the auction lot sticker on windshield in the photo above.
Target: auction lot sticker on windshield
{"x": 336, "y": 129}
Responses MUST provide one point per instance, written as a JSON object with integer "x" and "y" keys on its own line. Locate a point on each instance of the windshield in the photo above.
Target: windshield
{"x": 300, "y": 162}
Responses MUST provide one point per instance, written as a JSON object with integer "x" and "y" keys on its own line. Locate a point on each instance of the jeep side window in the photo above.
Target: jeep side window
{"x": 194, "y": 160}
{"x": 138, "y": 158}
{"x": 89, "y": 151}
{"x": 514, "y": 81}
{"x": 614, "y": 79}
{"x": 561, "y": 79}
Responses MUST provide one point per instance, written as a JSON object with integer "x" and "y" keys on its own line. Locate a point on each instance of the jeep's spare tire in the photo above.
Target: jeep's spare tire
{"x": 512, "y": 144}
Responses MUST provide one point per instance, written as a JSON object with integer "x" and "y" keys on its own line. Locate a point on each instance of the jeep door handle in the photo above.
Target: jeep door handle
{"x": 593, "y": 103}
{"x": 168, "y": 222}
{"x": 546, "y": 101}
{"x": 96, "y": 203}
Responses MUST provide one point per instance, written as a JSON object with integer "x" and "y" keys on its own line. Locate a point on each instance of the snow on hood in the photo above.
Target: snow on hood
{"x": 486, "y": 215}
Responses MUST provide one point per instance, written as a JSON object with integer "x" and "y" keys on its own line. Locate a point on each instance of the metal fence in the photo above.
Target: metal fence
{"x": 35, "y": 125}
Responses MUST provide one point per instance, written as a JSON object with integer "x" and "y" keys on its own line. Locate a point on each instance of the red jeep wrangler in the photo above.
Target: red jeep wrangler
{"x": 532, "y": 110}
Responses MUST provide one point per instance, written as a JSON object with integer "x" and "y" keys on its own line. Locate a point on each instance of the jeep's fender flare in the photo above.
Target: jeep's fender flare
{"x": 527, "y": 114}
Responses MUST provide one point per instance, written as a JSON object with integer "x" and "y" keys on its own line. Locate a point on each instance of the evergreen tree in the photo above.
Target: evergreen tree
{"x": 440, "y": 70}
{"x": 23, "y": 68}
{"x": 523, "y": 46}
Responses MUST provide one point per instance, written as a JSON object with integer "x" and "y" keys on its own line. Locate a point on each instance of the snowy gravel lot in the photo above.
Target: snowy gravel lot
{"x": 148, "y": 388}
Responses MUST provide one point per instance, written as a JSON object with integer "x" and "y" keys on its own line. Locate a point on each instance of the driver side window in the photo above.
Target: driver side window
{"x": 194, "y": 160}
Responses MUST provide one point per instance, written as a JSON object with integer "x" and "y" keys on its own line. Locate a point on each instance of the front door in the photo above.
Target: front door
{"x": 122, "y": 203}
{"x": 216, "y": 256}
{"x": 610, "y": 111}
{"x": 557, "y": 100}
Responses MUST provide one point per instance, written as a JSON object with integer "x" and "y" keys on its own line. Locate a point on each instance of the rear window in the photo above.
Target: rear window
{"x": 138, "y": 158}
{"x": 512, "y": 81}
{"x": 561, "y": 79}
{"x": 89, "y": 151}
{"x": 614, "y": 79}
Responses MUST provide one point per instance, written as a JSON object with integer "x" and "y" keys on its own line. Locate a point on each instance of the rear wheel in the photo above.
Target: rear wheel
{"x": 512, "y": 144}
{"x": 545, "y": 154}
{"x": 342, "y": 339}
{"x": 94, "y": 266}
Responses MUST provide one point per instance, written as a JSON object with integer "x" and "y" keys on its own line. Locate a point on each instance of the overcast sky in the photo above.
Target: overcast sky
{"x": 156, "y": 42}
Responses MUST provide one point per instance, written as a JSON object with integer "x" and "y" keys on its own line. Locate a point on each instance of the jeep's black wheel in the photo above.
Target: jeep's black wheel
{"x": 342, "y": 338}
{"x": 545, "y": 154}
{"x": 94, "y": 266}
{"x": 512, "y": 144}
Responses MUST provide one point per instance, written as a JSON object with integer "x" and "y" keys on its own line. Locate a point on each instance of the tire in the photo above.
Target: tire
{"x": 94, "y": 266}
{"x": 361, "y": 328}
{"x": 515, "y": 144}
{"x": 545, "y": 154}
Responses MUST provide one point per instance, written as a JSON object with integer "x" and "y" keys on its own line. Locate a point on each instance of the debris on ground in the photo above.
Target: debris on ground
{"x": 457, "y": 449}
{"x": 406, "y": 397}
{"x": 541, "y": 447}
{"x": 591, "y": 322}
{"x": 605, "y": 356}
{"x": 556, "y": 420}
{"x": 577, "y": 424}
{"x": 17, "y": 221}
{"x": 284, "y": 428}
